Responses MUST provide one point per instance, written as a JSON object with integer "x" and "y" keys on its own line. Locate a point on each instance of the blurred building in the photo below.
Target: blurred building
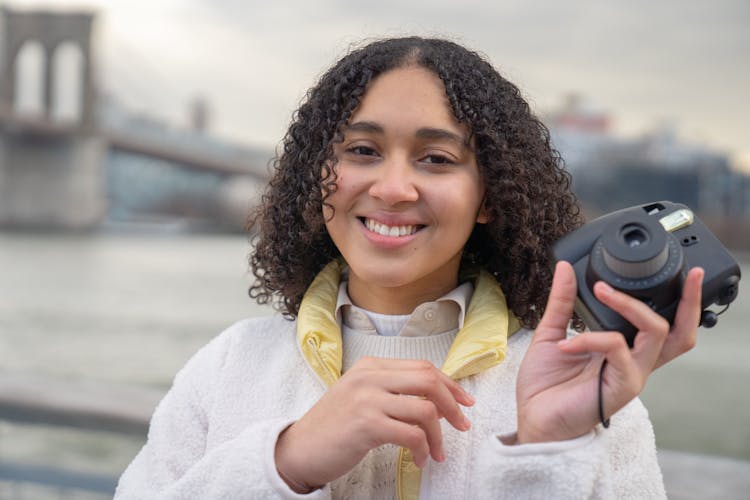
{"x": 611, "y": 172}
{"x": 71, "y": 160}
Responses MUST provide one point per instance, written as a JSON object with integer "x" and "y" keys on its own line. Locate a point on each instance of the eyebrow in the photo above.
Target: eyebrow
{"x": 369, "y": 127}
{"x": 422, "y": 133}
{"x": 439, "y": 133}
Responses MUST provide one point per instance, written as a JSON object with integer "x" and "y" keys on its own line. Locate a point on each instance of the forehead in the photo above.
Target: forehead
{"x": 410, "y": 95}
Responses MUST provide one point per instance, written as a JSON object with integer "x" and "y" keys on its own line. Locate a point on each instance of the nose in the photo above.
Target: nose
{"x": 394, "y": 182}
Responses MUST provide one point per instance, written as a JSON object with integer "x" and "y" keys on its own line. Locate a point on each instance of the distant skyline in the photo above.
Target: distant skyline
{"x": 680, "y": 63}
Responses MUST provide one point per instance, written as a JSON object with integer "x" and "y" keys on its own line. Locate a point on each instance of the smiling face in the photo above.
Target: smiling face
{"x": 409, "y": 193}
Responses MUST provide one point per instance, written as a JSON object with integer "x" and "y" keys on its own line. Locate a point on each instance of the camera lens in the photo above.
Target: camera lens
{"x": 635, "y": 249}
{"x": 636, "y": 255}
{"x": 634, "y": 236}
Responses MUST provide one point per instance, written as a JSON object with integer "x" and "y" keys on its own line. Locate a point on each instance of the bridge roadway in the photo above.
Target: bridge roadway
{"x": 133, "y": 142}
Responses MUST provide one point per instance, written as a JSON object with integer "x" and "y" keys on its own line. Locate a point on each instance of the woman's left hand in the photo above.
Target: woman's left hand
{"x": 557, "y": 391}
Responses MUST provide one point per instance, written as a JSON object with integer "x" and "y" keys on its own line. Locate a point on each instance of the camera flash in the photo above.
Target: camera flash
{"x": 677, "y": 219}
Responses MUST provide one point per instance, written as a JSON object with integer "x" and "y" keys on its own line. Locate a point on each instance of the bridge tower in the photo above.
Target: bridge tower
{"x": 51, "y": 150}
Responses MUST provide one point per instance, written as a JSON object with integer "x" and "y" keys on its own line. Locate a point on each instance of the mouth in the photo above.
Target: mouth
{"x": 392, "y": 231}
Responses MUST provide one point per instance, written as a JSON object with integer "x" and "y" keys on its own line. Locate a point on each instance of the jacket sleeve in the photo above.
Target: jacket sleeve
{"x": 174, "y": 463}
{"x": 618, "y": 462}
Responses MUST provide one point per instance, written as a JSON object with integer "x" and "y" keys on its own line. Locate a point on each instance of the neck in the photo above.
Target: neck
{"x": 400, "y": 299}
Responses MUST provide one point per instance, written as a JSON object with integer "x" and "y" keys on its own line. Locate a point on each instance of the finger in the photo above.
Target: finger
{"x": 430, "y": 383}
{"x": 652, "y": 327}
{"x": 458, "y": 392}
{"x": 682, "y": 338}
{"x": 560, "y": 304}
{"x": 406, "y": 435}
{"x": 624, "y": 378}
{"x": 421, "y": 412}
{"x": 611, "y": 344}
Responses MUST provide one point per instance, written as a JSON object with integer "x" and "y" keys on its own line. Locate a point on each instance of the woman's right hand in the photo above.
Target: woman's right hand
{"x": 377, "y": 401}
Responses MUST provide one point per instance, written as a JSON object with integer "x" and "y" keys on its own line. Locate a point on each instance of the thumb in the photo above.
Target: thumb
{"x": 560, "y": 304}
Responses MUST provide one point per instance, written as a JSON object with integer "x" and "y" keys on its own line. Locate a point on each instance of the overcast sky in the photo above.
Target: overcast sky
{"x": 682, "y": 62}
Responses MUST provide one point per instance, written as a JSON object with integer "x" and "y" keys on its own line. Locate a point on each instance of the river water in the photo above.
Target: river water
{"x": 129, "y": 310}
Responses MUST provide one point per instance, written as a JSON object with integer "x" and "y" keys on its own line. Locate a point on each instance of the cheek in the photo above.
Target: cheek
{"x": 334, "y": 198}
{"x": 348, "y": 187}
{"x": 340, "y": 201}
{"x": 461, "y": 207}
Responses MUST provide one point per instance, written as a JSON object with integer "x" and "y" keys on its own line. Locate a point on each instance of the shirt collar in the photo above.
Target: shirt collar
{"x": 442, "y": 315}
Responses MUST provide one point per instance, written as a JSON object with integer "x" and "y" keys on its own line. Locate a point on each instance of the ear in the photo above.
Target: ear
{"x": 483, "y": 216}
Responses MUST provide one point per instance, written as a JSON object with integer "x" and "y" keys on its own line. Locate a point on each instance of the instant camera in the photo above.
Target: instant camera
{"x": 646, "y": 252}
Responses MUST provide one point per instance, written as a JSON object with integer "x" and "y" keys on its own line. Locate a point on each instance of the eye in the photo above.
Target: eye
{"x": 437, "y": 160}
{"x": 362, "y": 151}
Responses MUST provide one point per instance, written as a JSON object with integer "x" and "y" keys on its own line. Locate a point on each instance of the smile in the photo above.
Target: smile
{"x": 393, "y": 231}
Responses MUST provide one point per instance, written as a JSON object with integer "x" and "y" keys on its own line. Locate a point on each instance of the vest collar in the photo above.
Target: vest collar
{"x": 479, "y": 344}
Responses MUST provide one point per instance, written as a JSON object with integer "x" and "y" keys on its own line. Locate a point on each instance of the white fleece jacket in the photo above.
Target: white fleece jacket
{"x": 213, "y": 435}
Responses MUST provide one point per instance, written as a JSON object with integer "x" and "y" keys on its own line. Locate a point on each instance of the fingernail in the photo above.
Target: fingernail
{"x": 470, "y": 399}
{"x": 466, "y": 423}
{"x": 563, "y": 342}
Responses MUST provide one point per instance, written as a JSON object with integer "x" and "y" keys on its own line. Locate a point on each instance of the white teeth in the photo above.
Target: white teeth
{"x": 382, "y": 229}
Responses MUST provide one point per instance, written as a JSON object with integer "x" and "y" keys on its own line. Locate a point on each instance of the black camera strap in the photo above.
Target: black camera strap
{"x": 605, "y": 422}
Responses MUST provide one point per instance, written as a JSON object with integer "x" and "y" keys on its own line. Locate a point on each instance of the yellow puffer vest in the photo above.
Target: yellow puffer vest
{"x": 479, "y": 344}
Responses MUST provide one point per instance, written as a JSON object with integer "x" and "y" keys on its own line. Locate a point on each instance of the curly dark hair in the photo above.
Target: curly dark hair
{"x": 528, "y": 195}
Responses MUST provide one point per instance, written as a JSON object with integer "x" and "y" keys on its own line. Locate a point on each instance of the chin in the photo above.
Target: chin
{"x": 391, "y": 279}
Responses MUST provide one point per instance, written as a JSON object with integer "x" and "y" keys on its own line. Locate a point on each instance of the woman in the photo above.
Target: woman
{"x": 406, "y": 234}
